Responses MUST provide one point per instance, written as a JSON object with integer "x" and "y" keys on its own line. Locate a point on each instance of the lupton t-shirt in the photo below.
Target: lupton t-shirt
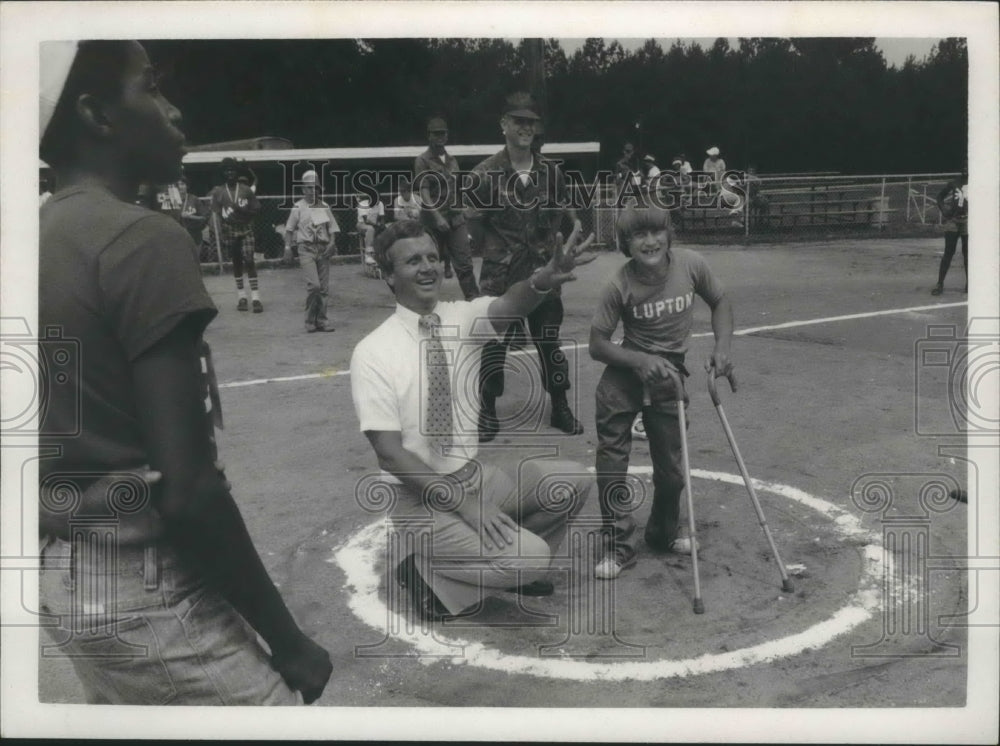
{"x": 657, "y": 317}
{"x": 114, "y": 279}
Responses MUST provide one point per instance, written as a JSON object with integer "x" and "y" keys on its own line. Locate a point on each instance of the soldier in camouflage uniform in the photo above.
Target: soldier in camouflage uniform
{"x": 517, "y": 202}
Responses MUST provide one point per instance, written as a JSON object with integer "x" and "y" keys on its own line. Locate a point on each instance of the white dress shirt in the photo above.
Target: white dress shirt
{"x": 389, "y": 382}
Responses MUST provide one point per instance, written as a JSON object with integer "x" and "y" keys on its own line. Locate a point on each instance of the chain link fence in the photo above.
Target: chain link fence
{"x": 760, "y": 208}
{"x": 747, "y": 209}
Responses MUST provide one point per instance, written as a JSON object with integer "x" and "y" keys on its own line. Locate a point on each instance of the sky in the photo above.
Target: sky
{"x": 895, "y": 50}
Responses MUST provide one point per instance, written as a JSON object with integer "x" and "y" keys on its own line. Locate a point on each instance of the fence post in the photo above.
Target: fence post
{"x": 882, "y": 213}
{"x": 746, "y": 207}
{"x": 909, "y": 197}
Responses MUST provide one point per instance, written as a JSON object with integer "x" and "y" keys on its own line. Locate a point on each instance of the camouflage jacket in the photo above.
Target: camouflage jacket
{"x": 518, "y": 221}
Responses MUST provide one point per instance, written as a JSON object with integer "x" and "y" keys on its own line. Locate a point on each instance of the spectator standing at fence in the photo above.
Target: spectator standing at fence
{"x": 312, "y": 229}
{"x": 406, "y": 206}
{"x": 628, "y": 171}
{"x": 234, "y": 206}
{"x": 370, "y": 220}
{"x": 953, "y": 202}
{"x": 436, "y": 173}
{"x": 650, "y": 171}
{"x": 715, "y": 167}
{"x": 174, "y": 617}
{"x": 652, "y": 296}
{"x": 514, "y": 209}
{"x": 192, "y": 214}
{"x": 488, "y": 531}
{"x": 684, "y": 166}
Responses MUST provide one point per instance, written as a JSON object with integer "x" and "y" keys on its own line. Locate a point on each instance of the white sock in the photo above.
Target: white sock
{"x": 254, "y": 294}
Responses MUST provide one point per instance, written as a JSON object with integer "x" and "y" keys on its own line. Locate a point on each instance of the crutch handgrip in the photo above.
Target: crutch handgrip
{"x": 713, "y": 390}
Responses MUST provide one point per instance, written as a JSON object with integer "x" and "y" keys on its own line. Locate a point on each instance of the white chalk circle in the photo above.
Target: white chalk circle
{"x": 359, "y": 559}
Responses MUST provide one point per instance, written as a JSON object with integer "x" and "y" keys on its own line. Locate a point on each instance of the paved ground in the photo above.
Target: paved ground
{"x": 820, "y": 406}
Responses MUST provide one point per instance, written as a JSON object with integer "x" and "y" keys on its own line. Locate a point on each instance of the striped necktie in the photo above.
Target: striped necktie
{"x": 436, "y": 417}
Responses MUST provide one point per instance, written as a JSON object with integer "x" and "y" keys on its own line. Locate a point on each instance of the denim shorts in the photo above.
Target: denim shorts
{"x": 139, "y": 628}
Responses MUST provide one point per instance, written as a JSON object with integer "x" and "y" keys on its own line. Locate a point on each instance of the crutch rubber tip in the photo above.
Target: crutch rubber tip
{"x": 787, "y": 587}
{"x": 699, "y": 606}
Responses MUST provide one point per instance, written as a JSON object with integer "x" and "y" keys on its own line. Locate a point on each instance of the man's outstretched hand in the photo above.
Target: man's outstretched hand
{"x": 567, "y": 256}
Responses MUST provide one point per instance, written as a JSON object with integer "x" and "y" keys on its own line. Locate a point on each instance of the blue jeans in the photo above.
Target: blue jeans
{"x": 150, "y": 632}
{"x": 317, "y": 275}
{"x": 619, "y": 399}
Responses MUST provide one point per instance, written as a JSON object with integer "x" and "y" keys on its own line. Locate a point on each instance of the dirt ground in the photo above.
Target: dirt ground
{"x": 820, "y": 406}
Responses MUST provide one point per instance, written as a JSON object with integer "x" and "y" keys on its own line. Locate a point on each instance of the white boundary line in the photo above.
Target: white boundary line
{"x": 574, "y": 345}
{"x": 359, "y": 559}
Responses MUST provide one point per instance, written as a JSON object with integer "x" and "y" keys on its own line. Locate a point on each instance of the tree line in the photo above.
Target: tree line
{"x": 785, "y": 105}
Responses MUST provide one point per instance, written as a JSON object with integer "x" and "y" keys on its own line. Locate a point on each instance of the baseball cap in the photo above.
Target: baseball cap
{"x": 56, "y": 60}
{"x": 229, "y": 163}
{"x": 712, "y": 151}
{"x": 650, "y": 158}
{"x": 310, "y": 178}
{"x": 521, "y": 104}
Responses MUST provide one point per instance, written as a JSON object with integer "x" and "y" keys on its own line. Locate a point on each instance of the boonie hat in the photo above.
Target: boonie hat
{"x": 522, "y": 105}
{"x": 712, "y": 151}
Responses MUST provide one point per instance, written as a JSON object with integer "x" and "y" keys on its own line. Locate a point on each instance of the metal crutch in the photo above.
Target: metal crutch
{"x": 699, "y": 605}
{"x": 786, "y": 584}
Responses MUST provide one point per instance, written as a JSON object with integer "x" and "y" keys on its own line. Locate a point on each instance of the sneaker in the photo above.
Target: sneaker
{"x": 611, "y": 566}
{"x": 937, "y": 290}
{"x": 563, "y": 419}
{"x": 242, "y": 305}
{"x": 638, "y": 428}
{"x": 682, "y": 545}
{"x": 324, "y": 328}
{"x": 258, "y": 307}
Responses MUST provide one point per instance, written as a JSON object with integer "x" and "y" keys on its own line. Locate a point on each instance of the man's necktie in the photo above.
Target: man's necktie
{"x": 436, "y": 417}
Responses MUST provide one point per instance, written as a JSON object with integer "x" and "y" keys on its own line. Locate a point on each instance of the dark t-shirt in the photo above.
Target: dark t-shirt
{"x": 114, "y": 279}
{"x": 657, "y": 317}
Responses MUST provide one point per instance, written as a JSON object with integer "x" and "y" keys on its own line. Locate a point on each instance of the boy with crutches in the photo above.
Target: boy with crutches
{"x": 652, "y": 296}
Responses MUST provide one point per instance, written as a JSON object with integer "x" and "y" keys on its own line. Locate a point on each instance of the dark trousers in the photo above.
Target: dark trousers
{"x": 453, "y": 246}
{"x": 950, "y": 244}
{"x": 543, "y": 328}
{"x": 241, "y": 250}
{"x": 619, "y": 399}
